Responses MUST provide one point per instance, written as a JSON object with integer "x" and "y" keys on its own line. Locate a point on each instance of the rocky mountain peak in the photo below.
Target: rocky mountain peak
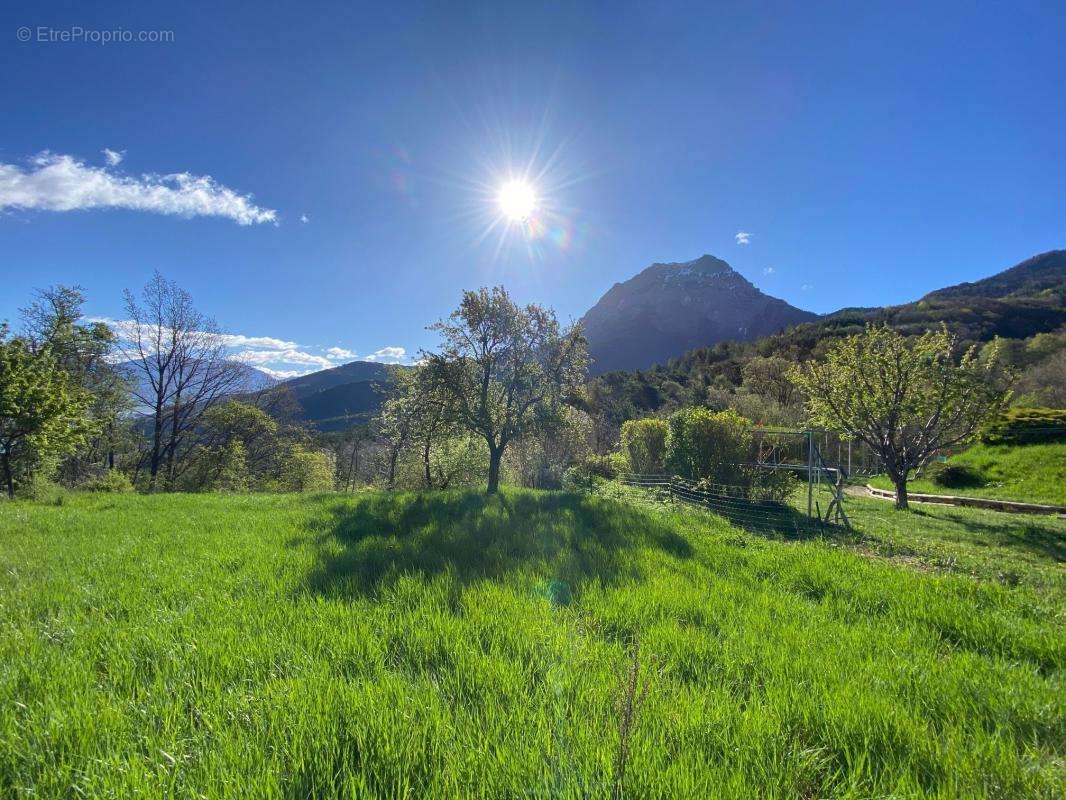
{"x": 669, "y": 308}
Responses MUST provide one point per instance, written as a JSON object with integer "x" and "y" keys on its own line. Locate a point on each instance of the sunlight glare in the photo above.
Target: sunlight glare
{"x": 517, "y": 200}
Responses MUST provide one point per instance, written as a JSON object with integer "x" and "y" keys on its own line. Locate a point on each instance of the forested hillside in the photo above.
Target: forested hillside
{"x": 1024, "y": 305}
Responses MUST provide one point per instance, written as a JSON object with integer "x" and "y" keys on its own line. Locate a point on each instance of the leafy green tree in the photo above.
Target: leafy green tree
{"x": 231, "y": 474}
{"x": 505, "y": 370}
{"x": 906, "y": 398}
{"x": 44, "y": 413}
{"x": 54, "y": 320}
{"x": 768, "y": 377}
{"x": 644, "y": 444}
{"x": 417, "y": 416}
{"x": 233, "y": 437}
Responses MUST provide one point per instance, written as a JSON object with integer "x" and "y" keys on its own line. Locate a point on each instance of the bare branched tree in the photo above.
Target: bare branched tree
{"x": 178, "y": 357}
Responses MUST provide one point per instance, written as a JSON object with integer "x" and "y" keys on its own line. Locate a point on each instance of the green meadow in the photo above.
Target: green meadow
{"x": 1032, "y": 473}
{"x": 531, "y": 644}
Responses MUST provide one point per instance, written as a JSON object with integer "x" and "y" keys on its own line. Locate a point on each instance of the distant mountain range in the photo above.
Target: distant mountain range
{"x": 1042, "y": 276}
{"x": 678, "y": 311}
{"x": 688, "y": 315}
{"x": 668, "y": 309}
{"x": 336, "y": 398}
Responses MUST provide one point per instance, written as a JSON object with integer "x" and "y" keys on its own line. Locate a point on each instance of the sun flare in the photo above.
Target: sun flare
{"x": 517, "y": 200}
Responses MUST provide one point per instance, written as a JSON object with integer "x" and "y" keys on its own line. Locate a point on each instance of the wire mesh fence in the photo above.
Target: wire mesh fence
{"x": 740, "y": 505}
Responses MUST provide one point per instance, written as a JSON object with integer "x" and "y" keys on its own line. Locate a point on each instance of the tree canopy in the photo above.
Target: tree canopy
{"x": 905, "y": 397}
{"x": 44, "y": 413}
{"x": 505, "y": 369}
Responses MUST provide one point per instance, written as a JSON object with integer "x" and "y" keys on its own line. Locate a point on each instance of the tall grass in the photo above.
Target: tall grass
{"x": 453, "y": 645}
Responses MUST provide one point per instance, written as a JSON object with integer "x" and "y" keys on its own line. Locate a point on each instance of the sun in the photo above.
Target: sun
{"x": 517, "y": 200}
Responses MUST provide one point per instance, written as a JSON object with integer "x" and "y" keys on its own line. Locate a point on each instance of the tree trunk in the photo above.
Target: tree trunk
{"x": 9, "y": 479}
{"x": 427, "y": 474}
{"x": 394, "y": 453}
{"x": 901, "y": 493}
{"x": 495, "y": 454}
{"x": 156, "y": 457}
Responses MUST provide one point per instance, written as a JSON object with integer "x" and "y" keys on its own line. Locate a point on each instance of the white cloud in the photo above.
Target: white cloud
{"x": 114, "y": 157}
{"x": 806, "y": 287}
{"x": 768, "y": 271}
{"x": 743, "y": 237}
{"x": 339, "y": 353}
{"x": 63, "y": 183}
{"x": 304, "y": 219}
{"x": 388, "y": 355}
{"x": 256, "y": 357}
{"x": 282, "y": 374}
{"x": 262, "y": 342}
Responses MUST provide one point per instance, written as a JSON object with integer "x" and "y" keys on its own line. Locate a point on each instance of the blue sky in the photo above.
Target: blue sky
{"x": 872, "y": 152}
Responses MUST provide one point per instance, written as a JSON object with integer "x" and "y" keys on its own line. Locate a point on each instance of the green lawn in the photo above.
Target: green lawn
{"x": 451, "y": 645}
{"x": 1034, "y": 473}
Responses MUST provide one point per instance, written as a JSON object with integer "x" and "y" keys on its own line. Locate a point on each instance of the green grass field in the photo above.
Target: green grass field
{"x": 453, "y": 645}
{"x": 1034, "y": 473}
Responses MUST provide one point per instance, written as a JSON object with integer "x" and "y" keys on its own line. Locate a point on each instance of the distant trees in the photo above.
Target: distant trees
{"x": 768, "y": 376}
{"x": 906, "y": 398}
{"x": 44, "y": 413}
{"x": 178, "y": 360}
{"x": 504, "y": 371}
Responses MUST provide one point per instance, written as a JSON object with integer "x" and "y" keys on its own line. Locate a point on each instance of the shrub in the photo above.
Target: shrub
{"x": 592, "y": 470}
{"x": 644, "y": 444}
{"x": 304, "y": 470}
{"x": 112, "y": 480}
{"x": 705, "y": 446}
{"x": 39, "y": 487}
{"x": 1027, "y": 425}
{"x": 774, "y": 485}
{"x": 954, "y": 476}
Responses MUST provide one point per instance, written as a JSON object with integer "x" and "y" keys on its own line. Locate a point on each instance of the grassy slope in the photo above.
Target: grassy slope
{"x": 1033, "y": 473}
{"x": 264, "y": 646}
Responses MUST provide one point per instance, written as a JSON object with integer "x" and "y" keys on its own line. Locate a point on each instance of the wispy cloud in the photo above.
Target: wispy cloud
{"x": 388, "y": 355}
{"x": 282, "y": 374}
{"x": 806, "y": 287}
{"x": 114, "y": 157}
{"x": 262, "y": 342}
{"x": 768, "y": 271}
{"x": 279, "y": 358}
{"x": 54, "y": 182}
{"x": 267, "y": 357}
{"x": 304, "y": 219}
{"x": 742, "y": 237}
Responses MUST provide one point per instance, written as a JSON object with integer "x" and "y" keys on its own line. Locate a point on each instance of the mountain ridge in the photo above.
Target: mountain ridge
{"x": 671, "y": 307}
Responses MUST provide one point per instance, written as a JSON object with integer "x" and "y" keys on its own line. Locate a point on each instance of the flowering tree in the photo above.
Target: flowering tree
{"x": 906, "y": 398}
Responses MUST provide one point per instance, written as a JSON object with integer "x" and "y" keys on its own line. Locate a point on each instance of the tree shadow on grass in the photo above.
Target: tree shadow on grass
{"x": 370, "y": 541}
{"x": 1030, "y": 533}
{"x": 767, "y": 518}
